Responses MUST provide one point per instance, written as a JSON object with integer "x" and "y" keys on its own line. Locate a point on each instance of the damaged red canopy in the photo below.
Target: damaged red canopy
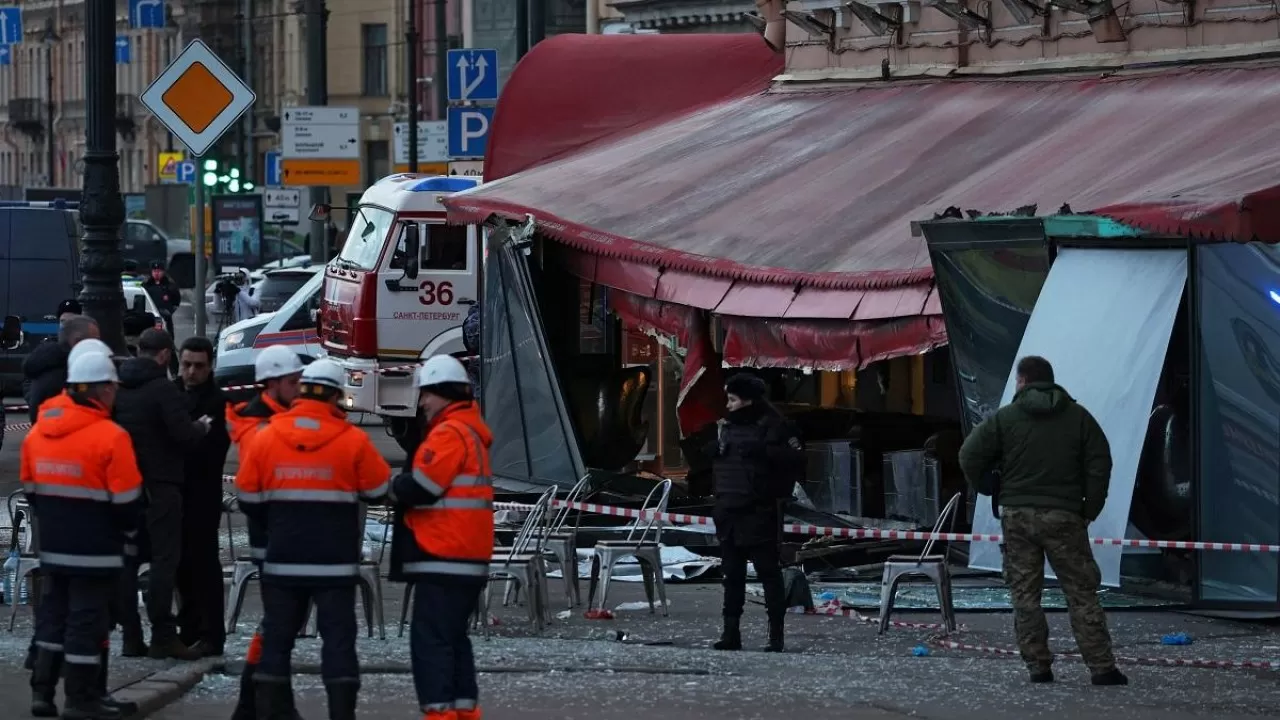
{"x": 751, "y": 206}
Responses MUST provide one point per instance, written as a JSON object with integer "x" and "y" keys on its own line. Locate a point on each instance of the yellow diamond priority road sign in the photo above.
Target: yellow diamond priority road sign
{"x": 198, "y": 97}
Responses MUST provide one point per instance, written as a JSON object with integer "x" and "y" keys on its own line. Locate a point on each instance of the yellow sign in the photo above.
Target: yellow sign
{"x": 426, "y": 168}
{"x": 320, "y": 172}
{"x": 167, "y": 166}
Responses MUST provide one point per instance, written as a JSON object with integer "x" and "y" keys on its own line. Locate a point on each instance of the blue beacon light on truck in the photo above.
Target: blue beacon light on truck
{"x": 450, "y": 184}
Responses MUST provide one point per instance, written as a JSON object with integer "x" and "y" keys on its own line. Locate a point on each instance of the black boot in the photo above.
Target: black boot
{"x": 274, "y": 701}
{"x": 1110, "y": 677}
{"x": 83, "y": 699}
{"x": 246, "y": 709}
{"x": 775, "y": 635}
{"x": 165, "y": 645}
{"x": 30, "y": 662}
{"x": 125, "y": 708}
{"x": 45, "y": 670}
{"x": 132, "y": 644}
{"x": 342, "y": 700}
{"x": 731, "y": 637}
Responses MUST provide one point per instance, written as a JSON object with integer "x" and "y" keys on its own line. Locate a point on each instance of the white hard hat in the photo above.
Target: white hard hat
{"x": 91, "y": 368}
{"x": 440, "y": 369}
{"x": 274, "y": 362}
{"x": 323, "y": 372}
{"x": 85, "y": 346}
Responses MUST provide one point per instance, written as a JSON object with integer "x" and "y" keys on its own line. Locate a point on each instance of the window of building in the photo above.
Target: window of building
{"x": 373, "y": 43}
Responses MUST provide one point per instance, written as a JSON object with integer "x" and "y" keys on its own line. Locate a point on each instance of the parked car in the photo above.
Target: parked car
{"x": 293, "y": 324}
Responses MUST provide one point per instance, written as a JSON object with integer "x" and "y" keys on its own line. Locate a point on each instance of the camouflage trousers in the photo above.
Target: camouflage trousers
{"x": 1030, "y": 536}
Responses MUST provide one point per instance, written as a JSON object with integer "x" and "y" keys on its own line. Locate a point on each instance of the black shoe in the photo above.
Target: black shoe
{"x": 731, "y": 636}
{"x": 342, "y": 700}
{"x": 775, "y": 636}
{"x": 1110, "y": 677}
{"x": 164, "y": 647}
{"x": 84, "y": 702}
{"x": 1041, "y": 676}
{"x": 104, "y": 672}
{"x": 46, "y": 668}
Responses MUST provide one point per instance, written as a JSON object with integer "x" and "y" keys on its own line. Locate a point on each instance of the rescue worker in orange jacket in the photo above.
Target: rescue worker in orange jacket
{"x": 279, "y": 370}
{"x": 79, "y": 472}
{"x": 444, "y": 539}
{"x": 304, "y": 476}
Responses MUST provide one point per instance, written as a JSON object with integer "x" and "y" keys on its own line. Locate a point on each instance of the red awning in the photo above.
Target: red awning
{"x": 573, "y": 90}
{"x": 815, "y": 191}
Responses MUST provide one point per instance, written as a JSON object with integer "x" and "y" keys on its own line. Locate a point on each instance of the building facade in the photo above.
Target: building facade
{"x": 686, "y": 16}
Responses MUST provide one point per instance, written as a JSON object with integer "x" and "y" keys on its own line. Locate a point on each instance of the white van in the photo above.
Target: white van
{"x": 294, "y": 324}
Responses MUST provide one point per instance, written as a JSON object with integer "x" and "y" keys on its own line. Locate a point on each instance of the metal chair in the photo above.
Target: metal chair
{"x": 934, "y": 567}
{"x": 523, "y": 565}
{"x": 646, "y": 549}
{"x": 370, "y": 582}
{"x": 24, "y": 544}
{"x": 243, "y": 569}
{"x": 562, "y": 544}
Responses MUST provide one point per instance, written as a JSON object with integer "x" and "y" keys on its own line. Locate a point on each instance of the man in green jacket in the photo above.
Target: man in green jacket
{"x": 1047, "y": 463}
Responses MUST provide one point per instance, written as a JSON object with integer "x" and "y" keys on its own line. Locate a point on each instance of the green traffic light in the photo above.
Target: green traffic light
{"x": 235, "y": 173}
{"x": 248, "y": 186}
{"x": 234, "y": 185}
{"x": 210, "y": 179}
{"x": 210, "y": 164}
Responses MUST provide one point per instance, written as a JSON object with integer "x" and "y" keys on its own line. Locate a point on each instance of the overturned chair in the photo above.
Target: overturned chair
{"x": 935, "y": 568}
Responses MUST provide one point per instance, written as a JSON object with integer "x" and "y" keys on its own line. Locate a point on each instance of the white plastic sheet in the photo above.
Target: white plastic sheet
{"x": 1103, "y": 319}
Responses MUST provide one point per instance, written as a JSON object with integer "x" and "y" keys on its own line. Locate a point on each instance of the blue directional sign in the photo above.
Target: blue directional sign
{"x": 187, "y": 172}
{"x": 6, "y": 55}
{"x": 146, "y": 14}
{"x": 271, "y": 166}
{"x": 473, "y": 75}
{"x": 10, "y": 25}
{"x": 122, "y": 49}
{"x": 469, "y": 131}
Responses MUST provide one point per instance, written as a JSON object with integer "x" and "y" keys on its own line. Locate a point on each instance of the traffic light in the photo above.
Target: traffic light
{"x": 223, "y": 177}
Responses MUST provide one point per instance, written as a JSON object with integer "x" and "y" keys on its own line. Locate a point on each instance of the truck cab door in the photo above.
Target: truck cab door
{"x": 414, "y": 312}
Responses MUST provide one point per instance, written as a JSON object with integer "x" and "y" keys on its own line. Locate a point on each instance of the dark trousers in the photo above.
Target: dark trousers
{"x": 284, "y": 611}
{"x": 124, "y": 600}
{"x": 444, "y": 667}
{"x": 199, "y": 582}
{"x": 164, "y": 528}
{"x": 733, "y": 563}
{"x": 73, "y": 617}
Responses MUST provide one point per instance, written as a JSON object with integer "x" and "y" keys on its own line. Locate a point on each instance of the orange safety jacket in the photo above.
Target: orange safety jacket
{"x": 447, "y": 500}
{"x": 80, "y": 475}
{"x": 302, "y": 478}
{"x": 243, "y": 422}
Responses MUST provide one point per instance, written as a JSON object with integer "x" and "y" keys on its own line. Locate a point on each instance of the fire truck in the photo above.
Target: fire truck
{"x": 397, "y": 293}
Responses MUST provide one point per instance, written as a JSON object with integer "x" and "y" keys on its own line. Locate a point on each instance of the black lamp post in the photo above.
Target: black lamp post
{"x": 48, "y": 39}
{"x": 101, "y": 206}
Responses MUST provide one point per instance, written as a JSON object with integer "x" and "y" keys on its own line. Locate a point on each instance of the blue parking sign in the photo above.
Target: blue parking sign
{"x": 187, "y": 172}
{"x": 271, "y": 168}
{"x": 469, "y": 131}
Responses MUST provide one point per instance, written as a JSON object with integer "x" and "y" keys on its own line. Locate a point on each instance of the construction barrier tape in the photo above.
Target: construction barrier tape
{"x": 1121, "y": 660}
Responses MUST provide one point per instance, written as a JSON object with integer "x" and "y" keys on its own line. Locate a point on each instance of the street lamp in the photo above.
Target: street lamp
{"x": 101, "y": 206}
{"x": 49, "y": 37}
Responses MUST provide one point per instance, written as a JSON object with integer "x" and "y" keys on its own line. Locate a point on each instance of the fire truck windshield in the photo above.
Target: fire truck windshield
{"x": 369, "y": 230}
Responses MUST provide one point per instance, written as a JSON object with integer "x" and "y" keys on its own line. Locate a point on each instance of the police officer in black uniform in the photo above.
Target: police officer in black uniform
{"x": 754, "y": 459}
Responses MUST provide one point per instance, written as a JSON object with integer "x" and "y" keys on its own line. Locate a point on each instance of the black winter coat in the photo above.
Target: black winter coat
{"x": 154, "y": 413}
{"x": 165, "y": 294}
{"x": 754, "y": 460}
{"x": 204, "y": 463}
{"x": 46, "y": 374}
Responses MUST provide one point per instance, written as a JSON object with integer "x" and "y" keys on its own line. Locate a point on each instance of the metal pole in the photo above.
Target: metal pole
{"x": 249, "y": 155}
{"x": 317, "y": 94}
{"x": 48, "y": 56}
{"x": 537, "y": 21}
{"x": 442, "y": 58}
{"x": 242, "y": 130}
{"x": 411, "y": 55}
{"x": 522, "y": 28}
{"x": 101, "y": 207}
{"x": 170, "y": 38}
{"x": 201, "y": 271}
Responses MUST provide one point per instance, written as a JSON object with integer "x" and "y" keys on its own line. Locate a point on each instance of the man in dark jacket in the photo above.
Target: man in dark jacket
{"x": 154, "y": 412}
{"x": 753, "y": 457}
{"x": 200, "y": 603}
{"x": 46, "y": 367}
{"x": 1054, "y": 466}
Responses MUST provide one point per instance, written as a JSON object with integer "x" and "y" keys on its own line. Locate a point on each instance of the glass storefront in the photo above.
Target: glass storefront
{"x": 1239, "y": 417}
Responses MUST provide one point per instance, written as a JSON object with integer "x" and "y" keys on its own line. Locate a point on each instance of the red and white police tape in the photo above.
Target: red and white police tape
{"x": 1204, "y": 663}
{"x": 380, "y": 371}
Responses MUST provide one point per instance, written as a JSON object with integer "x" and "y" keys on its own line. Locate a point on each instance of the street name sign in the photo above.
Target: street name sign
{"x": 321, "y": 146}
{"x": 433, "y": 142}
{"x": 198, "y": 98}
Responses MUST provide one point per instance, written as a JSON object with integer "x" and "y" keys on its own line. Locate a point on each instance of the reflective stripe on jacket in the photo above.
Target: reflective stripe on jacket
{"x": 79, "y": 472}
{"x": 243, "y": 422}
{"x": 447, "y": 499}
{"x": 303, "y": 477}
